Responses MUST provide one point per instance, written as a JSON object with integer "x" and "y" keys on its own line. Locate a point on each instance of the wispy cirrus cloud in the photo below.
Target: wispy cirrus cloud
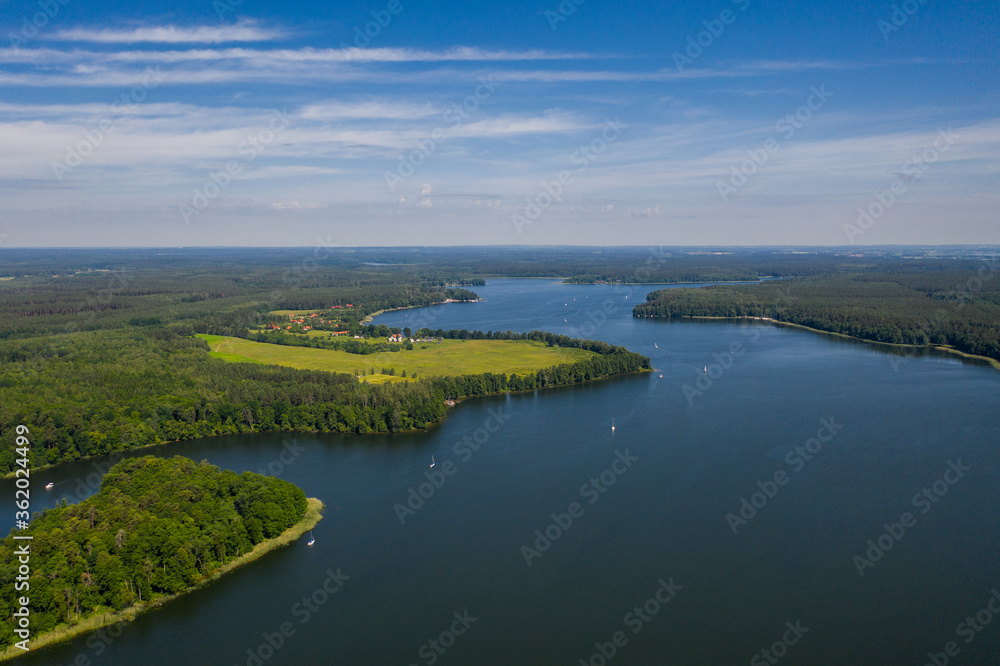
{"x": 307, "y": 55}
{"x": 53, "y": 67}
{"x": 245, "y": 31}
{"x": 369, "y": 109}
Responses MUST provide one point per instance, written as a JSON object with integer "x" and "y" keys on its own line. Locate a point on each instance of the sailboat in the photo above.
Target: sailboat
{"x": 705, "y": 370}
{"x": 432, "y": 460}
{"x": 656, "y": 346}
{"x": 612, "y": 425}
{"x": 312, "y": 539}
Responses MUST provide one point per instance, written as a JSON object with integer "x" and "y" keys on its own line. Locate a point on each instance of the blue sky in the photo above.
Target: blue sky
{"x": 421, "y": 122}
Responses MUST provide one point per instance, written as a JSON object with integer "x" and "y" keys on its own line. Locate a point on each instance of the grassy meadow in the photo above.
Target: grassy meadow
{"x": 445, "y": 358}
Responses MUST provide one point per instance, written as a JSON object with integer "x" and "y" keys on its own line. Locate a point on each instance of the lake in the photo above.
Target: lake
{"x": 820, "y": 499}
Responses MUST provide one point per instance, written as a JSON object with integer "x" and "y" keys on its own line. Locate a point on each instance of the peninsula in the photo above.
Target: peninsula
{"x": 156, "y": 529}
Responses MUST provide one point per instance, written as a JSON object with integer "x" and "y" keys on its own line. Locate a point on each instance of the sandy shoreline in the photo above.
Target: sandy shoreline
{"x": 64, "y": 633}
{"x": 993, "y": 362}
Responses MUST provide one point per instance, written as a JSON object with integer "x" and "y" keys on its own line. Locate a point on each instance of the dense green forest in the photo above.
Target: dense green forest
{"x": 956, "y": 308}
{"x": 98, "y": 353}
{"x": 187, "y": 284}
{"x": 156, "y": 527}
{"x": 214, "y": 291}
{"x": 98, "y": 392}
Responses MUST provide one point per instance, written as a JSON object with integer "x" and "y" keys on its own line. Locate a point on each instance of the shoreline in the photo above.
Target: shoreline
{"x": 707, "y": 283}
{"x": 368, "y": 318}
{"x": 11, "y": 475}
{"x": 951, "y": 350}
{"x": 63, "y": 633}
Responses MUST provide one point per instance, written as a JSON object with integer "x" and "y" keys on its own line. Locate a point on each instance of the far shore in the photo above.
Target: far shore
{"x": 992, "y": 361}
{"x": 62, "y": 633}
{"x": 368, "y": 319}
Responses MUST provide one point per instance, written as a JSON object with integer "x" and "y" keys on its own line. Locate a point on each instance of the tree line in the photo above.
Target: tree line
{"x": 156, "y": 527}
{"x": 100, "y": 392}
{"x": 956, "y": 308}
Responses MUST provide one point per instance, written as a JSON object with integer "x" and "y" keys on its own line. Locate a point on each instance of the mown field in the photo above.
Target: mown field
{"x": 443, "y": 359}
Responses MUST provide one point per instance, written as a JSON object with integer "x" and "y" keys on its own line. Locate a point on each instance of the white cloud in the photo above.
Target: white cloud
{"x": 293, "y": 205}
{"x": 273, "y": 57}
{"x": 368, "y": 109}
{"x": 245, "y": 31}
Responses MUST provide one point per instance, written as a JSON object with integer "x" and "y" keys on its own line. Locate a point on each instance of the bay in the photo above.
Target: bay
{"x": 696, "y": 443}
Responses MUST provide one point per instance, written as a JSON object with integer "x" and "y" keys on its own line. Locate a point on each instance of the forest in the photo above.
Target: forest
{"x": 156, "y": 527}
{"x": 958, "y": 308}
{"x": 99, "y": 392}
{"x": 98, "y": 351}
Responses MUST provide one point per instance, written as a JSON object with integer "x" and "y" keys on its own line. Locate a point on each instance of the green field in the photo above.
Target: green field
{"x": 326, "y": 312}
{"x": 446, "y": 358}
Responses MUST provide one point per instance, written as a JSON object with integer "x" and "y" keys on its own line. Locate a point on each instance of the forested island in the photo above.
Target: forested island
{"x": 956, "y": 309}
{"x": 156, "y": 528}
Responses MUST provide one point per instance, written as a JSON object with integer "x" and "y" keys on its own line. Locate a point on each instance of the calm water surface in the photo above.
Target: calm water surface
{"x": 693, "y": 455}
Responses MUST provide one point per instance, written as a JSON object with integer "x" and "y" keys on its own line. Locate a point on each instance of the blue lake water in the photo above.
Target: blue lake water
{"x": 640, "y": 550}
